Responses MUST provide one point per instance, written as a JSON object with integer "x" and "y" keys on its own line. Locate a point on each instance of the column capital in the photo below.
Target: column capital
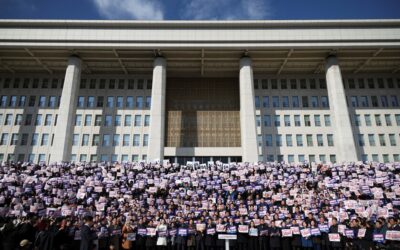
{"x": 245, "y": 61}
{"x": 159, "y": 61}
{"x": 74, "y": 60}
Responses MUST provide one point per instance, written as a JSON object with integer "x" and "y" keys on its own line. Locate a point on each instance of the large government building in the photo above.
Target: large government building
{"x": 200, "y": 90}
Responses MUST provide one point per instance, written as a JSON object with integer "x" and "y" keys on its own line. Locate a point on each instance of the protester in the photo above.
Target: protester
{"x": 153, "y": 206}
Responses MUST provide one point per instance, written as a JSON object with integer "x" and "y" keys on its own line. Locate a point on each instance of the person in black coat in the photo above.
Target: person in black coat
{"x": 209, "y": 239}
{"x": 275, "y": 237}
{"x": 140, "y": 238}
{"x": 334, "y": 228}
{"x": 87, "y": 234}
{"x": 181, "y": 240}
{"x": 242, "y": 238}
{"x": 263, "y": 238}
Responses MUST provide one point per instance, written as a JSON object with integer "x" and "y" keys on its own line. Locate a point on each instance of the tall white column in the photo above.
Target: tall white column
{"x": 343, "y": 133}
{"x": 157, "y": 112}
{"x": 61, "y": 149}
{"x": 247, "y": 112}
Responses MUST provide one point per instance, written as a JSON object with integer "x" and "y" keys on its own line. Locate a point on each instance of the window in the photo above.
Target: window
{"x": 3, "y": 102}
{"x": 371, "y": 140}
{"x": 32, "y": 101}
{"x": 52, "y": 102}
{"x": 258, "y": 121}
{"x": 381, "y": 83}
{"x": 268, "y": 140}
{"x": 397, "y": 117}
{"x": 368, "y": 122}
{"x": 146, "y": 120}
{"x": 361, "y": 84}
{"x": 354, "y": 101}
{"x": 139, "y": 102}
{"x": 374, "y": 101}
{"x": 42, "y": 101}
{"x": 24, "y": 139}
{"x": 4, "y": 139}
{"x": 148, "y": 101}
{"x": 125, "y": 140}
{"x": 293, "y": 83}
{"x": 85, "y": 140}
{"x": 385, "y": 158}
{"x": 28, "y": 119}
{"x": 88, "y": 120}
{"x": 47, "y": 121}
{"x": 45, "y": 140}
{"x": 83, "y": 157}
{"x": 117, "y": 120}
{"x": 289, "y": 139}
{"x": 283, "y": 84}
{"x": 81, "y": 102}
{"x": 299, "y": 140}
{"x": 267, "y": 120}
{"x": 295, "y": 102}
{"x": 277, "y": 120}
{"x": 297, "y": 122}
{"x": 313, "y": 84}
{"x": 390, "y": 83}
{"x": 304, "y": 100}
{"x": 275, "y": 101}
{"x": 34, "y": 140}
{"x": 270, "y": 158}
{"x": 128, "y": 120}
{"x": 388, "y": 120}
{"x": 371, "y": 83}
{"x": 92, "y": 84}
{"x": 382, "y": 141}
{"x": 285, "y": 101}
{"x": 394, "y": 101}
{"x": 97, "y": 120}
{"x": 264, "y": 84}
{"x": 329, "y": 138}
{"x": 274, "y": 84}
{"x": 257, "y": 102}
{"x": 364, "y": 101}
{"x": 131, "y": 83}
{"x": 378, "y": 121}
{"x": 357, "y": 120}
{"x": 108, "y": 121}
{"x": 290, "y": 158}
{"x": 38, "y": 120}
{"x": 384, "y": 101}
{"x": 332, "y": 158}
{"x": 310, "y": 142}
{"x": 13, "y": 101}
{"x": 322, "y": 158}
{"x": 307, "y": 121}
{"x": 121, "y": 83}
{"x": 278, "y": 140}
{"x": 303, "y": 84}
{"x": 106, "y": 140}
{"x": 361, "y": 141}
{"x": 138, "y": 120}
{"x": 14, "y": 139}
{"x": 116, "y": 140}
{"x": 18, "y": 119}
{"x": 26, "y": 83}
{"x": 259, "y": 140}
{"x": 140, "y": 84}
{"x": 136, "y": 140}
{"x": 301, "y": 158}
{"x": 42, "y": 158}
{"x": 90, "y": 102}
{"x": 266, "y": 101}
{"x": 75, "y": 139}
{"x": 351, "y": 83}
{"x": 286, "y": 119}
{"x": 129, "y": 101}
{"x": 392, "y": 140}
{"x": 314, "y": 101}
{"x": 78, "y": 120}
{"x": 100, "y": 101}
{"x": 145, "y": 140}
{"x": 120, "y": 102}
{"x": 375, "y": 157}
{"x": 317, "y": 120}
{"x": 396, "y": 157}
{"x": 311, "y": 158}
{"x": 324, "y": 102}
{"x": 149, "y": 83}
{"x": 96, "y": 140}
{"x": 110, "y": 102}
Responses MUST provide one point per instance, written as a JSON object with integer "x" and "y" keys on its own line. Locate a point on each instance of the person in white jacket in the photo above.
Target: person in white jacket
{"x": 162, "y": 233}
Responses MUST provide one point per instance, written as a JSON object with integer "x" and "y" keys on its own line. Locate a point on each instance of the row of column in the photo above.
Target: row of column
{"x": 345, "y": 146}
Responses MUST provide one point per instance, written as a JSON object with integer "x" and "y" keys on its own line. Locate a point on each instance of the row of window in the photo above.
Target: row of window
{"x": 21, "y": 101}
{"x": 48, "y": 120}
{"x": 360, "y": 83}
{"x": 82, "y": 158}
{"x": 332, "y": 158}
{"x": 107, "y": 140}
{"x": 381, "y": 138}
{"x": 276, "y": 119}
{"x": 111, "y": 102}
{"x": 378, "y": 120}
{"x": 299, "y": 140}
{"x": 54, "y": 83}
{"x": 284, "y": 102}
{"x": 382, "y": 101}
{"x": 109, "y": 121}
{"x": 83, "y": 140}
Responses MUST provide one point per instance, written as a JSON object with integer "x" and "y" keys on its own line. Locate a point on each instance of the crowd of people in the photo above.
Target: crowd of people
{"x": 152, "y": 206}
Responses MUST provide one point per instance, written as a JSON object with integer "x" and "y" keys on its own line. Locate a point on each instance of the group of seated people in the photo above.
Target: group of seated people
{"x": 140, "y": 205}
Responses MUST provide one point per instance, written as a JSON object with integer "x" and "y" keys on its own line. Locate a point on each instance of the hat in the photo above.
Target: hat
{"x": 24, "y": 243}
